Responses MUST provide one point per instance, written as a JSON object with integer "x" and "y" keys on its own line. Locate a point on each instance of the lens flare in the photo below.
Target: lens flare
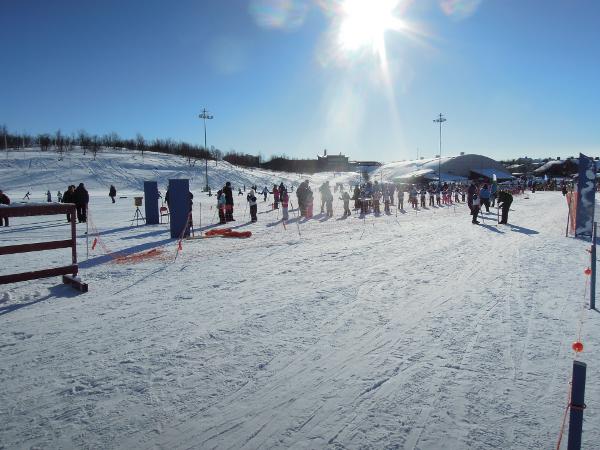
{"x": 279, "y": 14}
{"x": 459, "y": 9}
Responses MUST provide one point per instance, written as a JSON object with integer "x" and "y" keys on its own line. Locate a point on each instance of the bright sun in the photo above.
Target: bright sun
{"x": 364, "y": 23}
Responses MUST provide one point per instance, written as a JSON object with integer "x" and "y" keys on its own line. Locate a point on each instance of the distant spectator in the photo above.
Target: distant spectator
{"x": 82, "y": 198}
{"x": 4, "y": 200}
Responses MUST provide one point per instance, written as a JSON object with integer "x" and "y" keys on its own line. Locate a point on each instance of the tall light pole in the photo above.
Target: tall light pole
{"x": 205, "y": 115}
{"x": 441, "y": 119}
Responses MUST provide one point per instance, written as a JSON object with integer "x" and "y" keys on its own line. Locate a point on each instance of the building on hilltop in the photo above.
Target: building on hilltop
{"x": 332, "y": 163}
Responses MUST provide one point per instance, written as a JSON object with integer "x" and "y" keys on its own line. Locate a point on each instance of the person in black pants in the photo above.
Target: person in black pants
{"x": 228, "y": 202}
{"x": 82, "y": 198}
{"x": 4, "y": 200}
{"x": 505, "y": 199}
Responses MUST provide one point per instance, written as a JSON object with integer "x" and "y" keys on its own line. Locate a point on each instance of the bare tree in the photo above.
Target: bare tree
{"x": 140, "y": 143}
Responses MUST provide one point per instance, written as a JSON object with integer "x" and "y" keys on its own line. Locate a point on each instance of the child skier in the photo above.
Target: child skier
{"x": 346, "y": 198}
{"x": 275, "y": 197}
{"x": 285, "y": 200}
{"x": 221, "y": 206}
{"x": 386, "y": 200}
{"x": 252, "y": 202}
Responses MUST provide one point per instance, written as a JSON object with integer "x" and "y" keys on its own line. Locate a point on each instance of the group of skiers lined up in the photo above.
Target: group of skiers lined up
{"x": 476, "y": 198}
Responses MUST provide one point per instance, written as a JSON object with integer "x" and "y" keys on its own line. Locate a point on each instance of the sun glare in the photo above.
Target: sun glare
{"x": 364, "y": 24}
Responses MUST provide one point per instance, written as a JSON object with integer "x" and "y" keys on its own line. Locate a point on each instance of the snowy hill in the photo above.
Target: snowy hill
{"x": 413, "y": 330}
{"x": 38, "y": 172}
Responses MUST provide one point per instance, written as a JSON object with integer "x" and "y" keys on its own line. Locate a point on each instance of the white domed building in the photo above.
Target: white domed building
{"x": 458, "y": 169}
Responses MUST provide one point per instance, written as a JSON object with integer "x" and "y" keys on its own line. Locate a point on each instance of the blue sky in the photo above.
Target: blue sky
{"x": 513, "y": 78}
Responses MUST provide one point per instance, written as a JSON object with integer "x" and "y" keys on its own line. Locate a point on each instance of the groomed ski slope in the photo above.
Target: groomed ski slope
{"x": 415, "y": 330}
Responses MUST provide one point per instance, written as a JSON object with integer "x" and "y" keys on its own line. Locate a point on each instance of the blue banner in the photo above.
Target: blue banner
{"x": 151, "y": 202}
{"x": 180, "y": 206}
{"x": 586, "y": 191}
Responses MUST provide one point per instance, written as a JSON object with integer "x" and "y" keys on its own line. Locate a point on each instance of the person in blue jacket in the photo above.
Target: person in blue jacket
{"x": 484, "y": 195}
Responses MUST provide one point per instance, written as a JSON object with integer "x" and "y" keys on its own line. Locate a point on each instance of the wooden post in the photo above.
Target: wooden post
{"x": 593, "y": 267}
{"x": 577, "y": 405}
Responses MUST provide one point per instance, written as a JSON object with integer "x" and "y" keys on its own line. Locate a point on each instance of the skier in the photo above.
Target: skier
{"x": 26, "y": 196}
{"x": 324, "y": 190}
{"x": 253, "y": 207}
{"x": 112, "y": 193}
{"x": 228, "y": 202}
{"x": 376, "y": 201}
{"x": 275, "y": 197}
{"x": 59, "y": 196}
{"x": 356, "y": 197}
{"x": 48, "y": 196}
{"x": 221, "y": 206}
{"x": 265, "y": 192}
{"x": 329, "y": 201}
{"x": 484, "y": 195}
{"x": 505, "y": 199}
{"x": 285, "y": 200}
{"x": 475, "y": 208}
{"x": 302, "y": 195}
{"x": 400, "y": 199}
{"x": 470, "y": 192}
{"x": 240, "y": 192}
{"x": 386, "y": 200}
{"x": 4, "y": 200}
{"x": 346, "y": 198}
{"x": 423, "y": 195}
{"x": 82, "y": 199}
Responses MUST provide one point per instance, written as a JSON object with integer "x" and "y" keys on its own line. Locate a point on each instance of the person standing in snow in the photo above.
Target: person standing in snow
{"x": 475, "y": 208}
{"x": 59, "y": 196}
{"x": 285, "y": 200}
{"x": 484, "y": 195}
{"x": 346, "y": 199}
{"x": 221, "y": 200}
{"x": 26, "y": 196}
{"x": 228, "y": 202}
{"x": 82, "y": 198}
{"x": 275, "y": 197}
{"x": 48, "y": 196}
{"x": 112, "y": 193}
{"x": 329, "y": 201}
{"x": 265, "y": 192}
{"x": 251, "y": 197}
{"x": 505, "y": 199}
{"x": 4, "y": 200}
{"x": 470, "y": 192}
{"x": 356, "y": 197}
{"x": 325, "y": 192}
{"x": 69, "y": 197}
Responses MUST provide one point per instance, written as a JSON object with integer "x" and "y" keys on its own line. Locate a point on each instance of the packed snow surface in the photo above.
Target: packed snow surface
{"x": 413, "y": 330}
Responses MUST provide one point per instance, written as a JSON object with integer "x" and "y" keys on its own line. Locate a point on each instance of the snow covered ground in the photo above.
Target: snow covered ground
{"x": 413, "y": 330}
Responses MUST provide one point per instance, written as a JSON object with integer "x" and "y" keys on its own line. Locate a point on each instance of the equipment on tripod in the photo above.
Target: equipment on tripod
{"x": 137, "y": 201}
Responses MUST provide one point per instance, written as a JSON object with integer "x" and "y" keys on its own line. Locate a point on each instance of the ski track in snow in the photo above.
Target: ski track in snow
{"x": 414, "y": 330}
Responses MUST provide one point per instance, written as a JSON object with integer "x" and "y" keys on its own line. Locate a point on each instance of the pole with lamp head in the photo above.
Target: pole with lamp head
{"x": 441, "y": 119}
{"x": 205, "y": 115}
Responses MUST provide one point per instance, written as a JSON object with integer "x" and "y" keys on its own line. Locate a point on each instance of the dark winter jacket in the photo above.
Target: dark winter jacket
{"x": 68, "y": 197}
{"x": 4, "y": 200}
{"x": 82, "y": 197}
{"x": 228, "y": 194}
{"x": 505, "y": 199}
{"x": 112, "y": 192}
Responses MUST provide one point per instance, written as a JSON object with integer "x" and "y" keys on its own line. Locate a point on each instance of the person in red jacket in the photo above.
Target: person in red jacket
{"x": 4, "y": 200}
{"x": 285, "y": 201}
{"x": 275, "y": 197}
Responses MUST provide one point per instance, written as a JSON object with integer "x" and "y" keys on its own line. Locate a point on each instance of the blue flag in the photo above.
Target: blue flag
{"x": 586, "y": 191}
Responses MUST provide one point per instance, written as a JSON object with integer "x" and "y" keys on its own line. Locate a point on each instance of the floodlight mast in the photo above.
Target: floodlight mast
{"x": 205, "y": 115}
{"x": 441, "y": 119}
